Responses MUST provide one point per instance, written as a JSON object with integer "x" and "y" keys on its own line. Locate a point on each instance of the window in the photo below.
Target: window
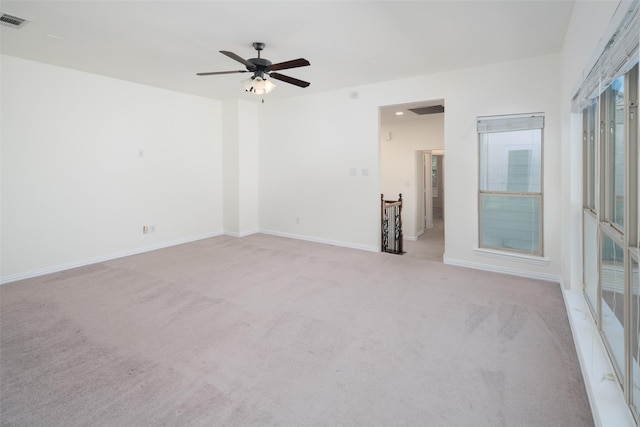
{"x": 510, "y": 193}
{"x": 608, "y": 100}
{"x": 611, "y": 229}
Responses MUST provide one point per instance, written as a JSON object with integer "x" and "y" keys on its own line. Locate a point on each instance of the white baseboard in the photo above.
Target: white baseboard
{"x": 606, "y": 398}
{"x": 242, "y": 233}
{"x": 102, "y": 258}
{"x": 505, "y": 270}
{"x": 413, "y": 238}
{"x": 108, "y": 257}
{"x": 511, "y": 256}
{"x": 321, "y": 240}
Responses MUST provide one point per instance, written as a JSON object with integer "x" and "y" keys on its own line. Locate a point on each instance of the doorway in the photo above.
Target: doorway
{"x": 411, "y": 140}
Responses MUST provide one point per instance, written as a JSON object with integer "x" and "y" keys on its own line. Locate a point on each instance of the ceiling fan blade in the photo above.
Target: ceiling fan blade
{"x": 290, "y": 80}
{"x": 241, "y": 60}
{"x": 294, "y": 63}
{"x": 221, "y": 72}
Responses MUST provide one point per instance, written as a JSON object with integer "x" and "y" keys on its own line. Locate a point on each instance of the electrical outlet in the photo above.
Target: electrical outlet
{"x": 145, "y": 229}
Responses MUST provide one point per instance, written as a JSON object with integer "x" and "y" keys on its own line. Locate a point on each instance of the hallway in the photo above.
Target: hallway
{"x": 430, "y": 245}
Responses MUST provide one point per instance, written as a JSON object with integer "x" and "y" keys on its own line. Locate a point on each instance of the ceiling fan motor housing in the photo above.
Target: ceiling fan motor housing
{"x": 260, "y": 63}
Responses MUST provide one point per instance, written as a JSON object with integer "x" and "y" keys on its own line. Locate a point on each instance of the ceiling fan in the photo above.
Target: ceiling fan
{"x": 261, "y": 69}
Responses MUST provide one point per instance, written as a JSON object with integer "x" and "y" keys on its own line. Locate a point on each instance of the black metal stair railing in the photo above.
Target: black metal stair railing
{"x": 391, "y": 227}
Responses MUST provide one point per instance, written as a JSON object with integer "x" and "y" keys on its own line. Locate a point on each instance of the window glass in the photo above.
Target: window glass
{"x": 510, "y": 222}
{"x": 612, "y": 283}
{"x": 590, "y": 248}
{"x": 511, "y": 161}
{"x": 615, "y": 161}
{"x": 590, "y": 154}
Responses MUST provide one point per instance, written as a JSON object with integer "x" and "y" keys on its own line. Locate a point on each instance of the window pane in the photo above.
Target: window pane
{"x": 511, "y": 161}
{"x": 612, "y": 279}
{"x": 510, "y": 222}
{"x": 590, "y": 152}
{"x": 635, "y": 334}
{"x": 591, "y": 261}
{"x": 615, "y": 187}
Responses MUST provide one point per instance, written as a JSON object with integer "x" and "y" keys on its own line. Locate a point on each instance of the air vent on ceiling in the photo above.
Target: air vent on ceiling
{"x": 11, "y": 21}
{"x": 434, "y": 109}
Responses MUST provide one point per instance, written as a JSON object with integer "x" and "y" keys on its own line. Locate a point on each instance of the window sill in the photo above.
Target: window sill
{"x": 509, "y": 256}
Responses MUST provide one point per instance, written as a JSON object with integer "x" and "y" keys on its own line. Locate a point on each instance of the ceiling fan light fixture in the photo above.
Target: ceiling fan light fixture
{"x": 247, "y": 84}
{"x": 258, "y": 85}
{"x": 268, "y": 86}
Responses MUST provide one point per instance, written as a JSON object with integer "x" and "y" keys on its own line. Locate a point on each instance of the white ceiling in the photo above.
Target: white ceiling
{"x": 349, "y": 43}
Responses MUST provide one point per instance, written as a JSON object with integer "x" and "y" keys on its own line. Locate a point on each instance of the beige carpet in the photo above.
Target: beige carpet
{"x": 430, "y": 245}
{"x": 271, "y": 331}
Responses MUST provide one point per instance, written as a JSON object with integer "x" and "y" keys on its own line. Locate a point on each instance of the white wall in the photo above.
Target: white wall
{"x": 399, "y": 173}
{"x": 249, "y": 167}
{"x": 530, "y": 85}
{"x": 74, "y": 189}
{"x": 308, "y": 145}
{"x": 240, "y": 167}
{"x": 231, "y": 167}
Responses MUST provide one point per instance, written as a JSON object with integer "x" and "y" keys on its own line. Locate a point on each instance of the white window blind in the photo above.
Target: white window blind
{"x": 513, "y": 122}
{"x": 619, "y": 55}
